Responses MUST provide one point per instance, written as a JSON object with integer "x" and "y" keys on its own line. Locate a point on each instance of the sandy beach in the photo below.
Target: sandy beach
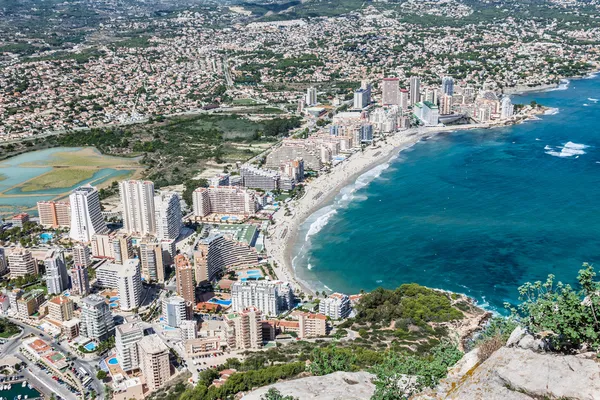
{"x": 282, "y": 234}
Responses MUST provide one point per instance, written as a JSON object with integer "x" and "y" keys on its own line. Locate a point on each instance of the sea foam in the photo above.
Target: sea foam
{"x": 320, "y": 223}
{"x": 569, "y": 149}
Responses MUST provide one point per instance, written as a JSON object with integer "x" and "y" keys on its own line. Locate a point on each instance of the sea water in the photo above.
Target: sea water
{"x": 478, "y": 212}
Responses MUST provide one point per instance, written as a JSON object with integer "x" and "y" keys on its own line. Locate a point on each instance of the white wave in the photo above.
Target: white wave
{"x": 320, "y": 223}
{"x": 533, "y": 118}
{"x": 569, "y": 149}
{"x": 537, "y": 139}
{"x": 309, "y": 266}
{"x": 551, "y": 111}
{"x": 563, "y": 85}
{"x": 379, "y": 281}
{"x": 585, "y": 104}
{"x": 597, "y": 162}
{"x": 328, "y": 288}
{"x": 594, "y": 100}
{"x": 592, "y": 75}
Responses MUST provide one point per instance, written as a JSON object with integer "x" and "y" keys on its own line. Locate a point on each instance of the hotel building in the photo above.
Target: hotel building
{"x": 127, "y": 337}
{"x": 60, "y": 308}
{"x": 335, "y": 306}
{"x": 86, "y": 215}
{"x": 55, "y": 214}
{"x": 80, "y": 281}
{"x": 216, "y": 253}
{"x": 21, "y": 263}
{"x": 151, "y": 257}
{"x": 257, "y": 178}
{"x": 168, "y": 215}
{"x": 137, "y": 202}
{"x": 244, "y": 329}
{"x": 57, "y": 279}
{"x": 224, "y": 200}
{"x": 390, "y": 91}
{"x": 272, "y": 297}
{"x": 96, "y": 318}
{"x": 184, "y": 276}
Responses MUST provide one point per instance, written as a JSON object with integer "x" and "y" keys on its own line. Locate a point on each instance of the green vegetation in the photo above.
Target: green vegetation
{"x": 567, "y": 318}
{"x": 400, "y": 376}
{"x": 26, "y": 236}
{"x": 411, "y": 302}
{"x": 239, "y": 382}
{"x": 274, "y": 394}
{"x": 8, "y": 329}
{"x": 58, "y": 178}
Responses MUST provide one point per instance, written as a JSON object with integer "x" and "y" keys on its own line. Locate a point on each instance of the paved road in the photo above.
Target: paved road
{"x": 88, "y": 365}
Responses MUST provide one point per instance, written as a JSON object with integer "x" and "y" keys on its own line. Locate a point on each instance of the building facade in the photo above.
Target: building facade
{"x": 86, "y": 214}
{"x": 271, "y": 297}
{"x": 127, "y": 337}
{"x": 154, "y": 361}
{"x": 57, "y": 279}
{"x": 168, "y": 215}
{"x": 137, "y": 202}
{"x": 96, "y": 318}
{"x": 55, "y": 214}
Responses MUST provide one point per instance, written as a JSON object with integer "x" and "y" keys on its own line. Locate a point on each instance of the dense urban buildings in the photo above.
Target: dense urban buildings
{"x": 21, "y": 263}
{"x": 168, "y": 215}
{"x": 80, "y": 281}
{"x": 129, "y": 285}
{"x": 151, "y": 259}
{"x": 127, "y": 337}
{"x": 257, "y": 178}
{"x": 217, "y": 253}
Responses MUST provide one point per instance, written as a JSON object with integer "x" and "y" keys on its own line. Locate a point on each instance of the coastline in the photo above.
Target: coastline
{"x": 282, "y": 234}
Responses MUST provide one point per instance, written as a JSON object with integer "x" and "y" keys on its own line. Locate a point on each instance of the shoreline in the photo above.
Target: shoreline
{"x": 283, "y": 233}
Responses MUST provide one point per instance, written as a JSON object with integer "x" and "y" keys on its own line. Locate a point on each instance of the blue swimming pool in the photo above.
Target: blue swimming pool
{"x": 46, "y": 237}
{"x": 91, "y": 346}
{"x": 220, "y": 302}
{"x": 114, "y": 298}
{"x": 114, "y": 305}
{"x": 113, "y": 361}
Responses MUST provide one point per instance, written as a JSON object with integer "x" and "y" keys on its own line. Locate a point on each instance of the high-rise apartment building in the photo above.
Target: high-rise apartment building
{"x": 271, "y": 297}
{"x": 216, "y": 253}
{"x": 129, "y": 285}
{"x": 335, "y": 306}
{"x": 127, "y": 337}
{"x": 96, "y": 318}
{"x": 311, "y": 96}
{"x": 258, "y": 178}
{"x": 151, "y": 258}
{"x": 390, "y": 91}
{"x": 175, "y": 310}
{"x": 55, "y": 214}
{"x": 361, "y": 99}
{"x": 245, "y": 329}
{"x": 184, "y": 276}
{"x": 82, "y": 255}
{"x": 137, "y": 201}
{"x": 168, "y": 215}
{"x": 448, "y": 85}
{"x": 224, "y": 200}
{"x": 86, "y": 214}
{"x": 507, "y": 109}
{"x": 404, "y": 99}
{"x": 21, "y": 263}
{"x": 57, "y": 279}
{"x": 445, "y": 104}
{"x": 3, "y": 261}
{"x": 154, "y": 361}
{"x": 121, "y": 246}
{"x": 80, "y": 281}
{"x": 415, "y": 90}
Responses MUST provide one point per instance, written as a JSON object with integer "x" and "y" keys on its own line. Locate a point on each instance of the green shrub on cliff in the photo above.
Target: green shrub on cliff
{"x": 568, "y": 318}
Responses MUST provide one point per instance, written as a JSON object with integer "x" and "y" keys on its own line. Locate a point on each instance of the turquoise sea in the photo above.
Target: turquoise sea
{"x": 478, "y": 212}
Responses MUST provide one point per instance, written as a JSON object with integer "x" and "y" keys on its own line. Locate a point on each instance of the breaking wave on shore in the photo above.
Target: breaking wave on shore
{"x": 569, "y": 149}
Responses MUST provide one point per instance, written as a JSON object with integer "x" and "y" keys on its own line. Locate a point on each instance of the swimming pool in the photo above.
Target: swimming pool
{"x": 113, "y": 361}
{"x": 114, "y": 305}
{"x": 91, "y": 346}
{"x": 114, "y": 298}
{"x": 46, "y": 237}
{"x": 220, "y": 302}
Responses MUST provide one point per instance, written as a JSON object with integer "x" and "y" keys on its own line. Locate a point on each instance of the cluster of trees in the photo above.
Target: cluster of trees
{"x": 7, "y": 328}
{"x": 280, "y": 126}
{"x": 412, "y": 302}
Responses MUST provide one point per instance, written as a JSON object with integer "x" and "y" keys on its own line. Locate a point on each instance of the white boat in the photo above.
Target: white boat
{"x": 29, "y": 386}
{"x": 24, "y": 384}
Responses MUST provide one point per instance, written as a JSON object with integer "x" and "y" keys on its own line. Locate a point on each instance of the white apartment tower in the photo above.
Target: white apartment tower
{"x": 415, "y": 90}
{"x": 168, "y": 215}
{"x": 57, "y": 279}
{"x": 174, "y": 311}
{"x": 271, "y": 297}
{"x": 127, "y": 337}
{"x": 507, "y": 108}
{"x": 86, "y": 215}
{"x": 137, "y": 201}
{"x": 3, "y": 261}
{"x": 335, "y": 306}
{"x": 129, "y": 285}
{"x": 80, "y": 281}
{"x": 96, "y": 318}
{"x": 311, "y": 96}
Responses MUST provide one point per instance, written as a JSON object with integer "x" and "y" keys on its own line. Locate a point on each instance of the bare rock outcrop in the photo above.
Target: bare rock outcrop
{"x": 336, "y": 386}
